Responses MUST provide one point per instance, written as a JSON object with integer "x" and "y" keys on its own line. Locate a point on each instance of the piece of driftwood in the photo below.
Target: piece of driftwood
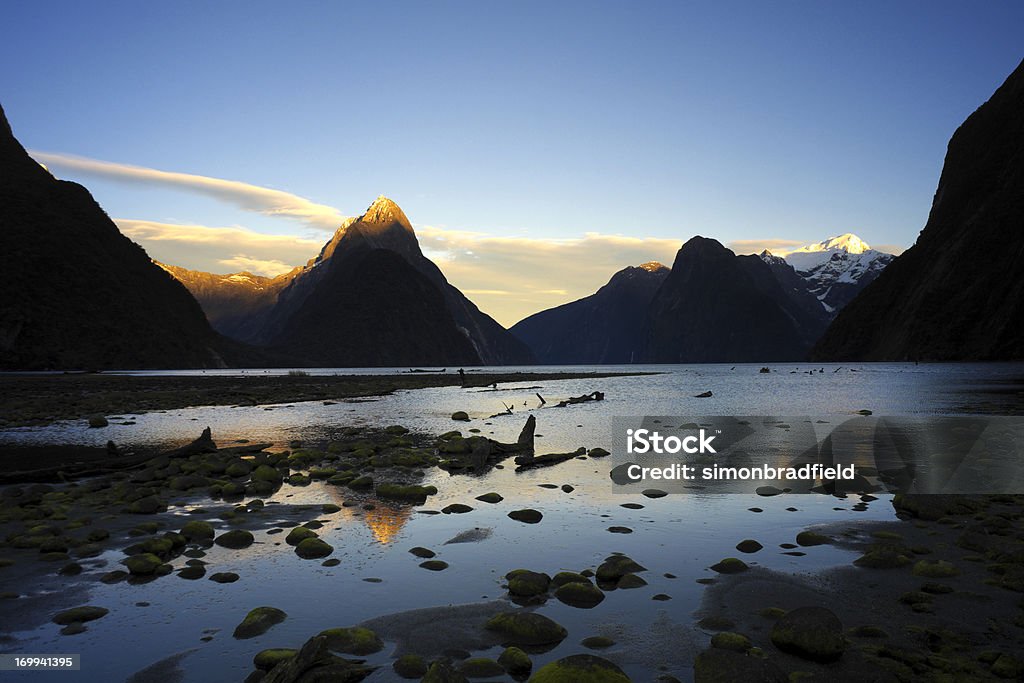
{"x": 529, "y": 462}
{"x": 523, "y": 443}
{"x": 204, "y": 444}
{"x": 592, "y": 396}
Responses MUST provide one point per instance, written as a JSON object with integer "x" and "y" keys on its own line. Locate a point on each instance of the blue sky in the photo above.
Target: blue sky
{"x": 486, "y": 121}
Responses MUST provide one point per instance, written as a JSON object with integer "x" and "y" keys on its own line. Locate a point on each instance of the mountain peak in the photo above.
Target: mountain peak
{"x": 847, "y": 242}
{"x": 383, "y": 211}
{"x": 652, "y": 266}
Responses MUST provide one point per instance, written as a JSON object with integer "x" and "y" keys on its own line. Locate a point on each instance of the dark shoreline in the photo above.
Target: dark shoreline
{"x": 32, "y": 400}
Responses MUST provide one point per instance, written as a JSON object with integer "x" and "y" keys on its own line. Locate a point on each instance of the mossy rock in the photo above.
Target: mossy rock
{"x": 405, "y": 491}
{"x": 935, "y": 570}
{"x": 299, "y": 534}
{"x": 266, "y": 473}
{"x": 197, "y": 530}
{"x": 147, "y": 505}
{"x": 410, "y": 666}
{"x": 353, "y": 641}
{"x": 238, "y": 469}
{"x": 442, "y": 671}
{"x": 258, "y": 621}
{"x": 156, "y": 546}
{"x": 727, "y": 640}
{"x": 113, "y": 577}
{"x": 143, "y": 564}
{"x": 515, "y": 661}
{"x": 597, "y": 642}
{"x": 813, "y": 633}
{"x": 480, "y": 667}
{"x": 330, "y": 508}
{"x": 562, "y": 578}
{"x": 598, "y": 453}
{"x": 526, "y": 516}
{"x": 582, "y": 595}
{"x": 423, "y": 553}
{"x": 526, "y": 583}
{"x": 615, "y": 567}
{"x": 526, "y": 628}
{"x": 363, "y": 482}
{"x": 268, "y": 659}
{"x": 811, "y": 538}
{"x": 236, "y": 539}
{"x": 883, "y": 558}
{"x": 80, "y": 615}
{"x": 748, "y": 546}
{"x": 491, "y": 498}
{"x": 631, "y": 581}
{"x": 576, "y": 668}
{"x": 313, "y": 549}
{"x": 97, "y": 535}
{"x": 224, "y": 577}
{"x": 193, "y": 572}
{"x": 299, "y": 480}
{"x": 730, "y": 565}
{"x": 460, "y": 416}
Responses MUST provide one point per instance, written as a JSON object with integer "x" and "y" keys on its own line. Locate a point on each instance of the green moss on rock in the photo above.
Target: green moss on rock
{"x": 80, "y": 615}
{"x": 526, "y": 628}
{"x": 353, "y": 641}
{"x": 577, "y": 668}
{"x": 258, "y": 621}
{"x": 813, "y": 633}
{"x": 235, "y": 539}
{"x": 266, "y": 660}
{"x": 313, "y": 548}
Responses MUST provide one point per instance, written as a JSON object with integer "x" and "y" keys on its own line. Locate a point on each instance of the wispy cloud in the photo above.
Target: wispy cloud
{"x": 219, "y": 249}
{"x": 262, "y": 200}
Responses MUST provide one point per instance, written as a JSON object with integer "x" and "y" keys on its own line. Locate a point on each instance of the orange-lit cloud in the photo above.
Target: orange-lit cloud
{"x": 219, "y": 249}
{"x": 263, "y": 200}
{"x": 513, "y": 277}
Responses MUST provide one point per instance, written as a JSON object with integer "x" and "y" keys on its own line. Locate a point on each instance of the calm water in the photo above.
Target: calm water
{"x": 681, "y": 535}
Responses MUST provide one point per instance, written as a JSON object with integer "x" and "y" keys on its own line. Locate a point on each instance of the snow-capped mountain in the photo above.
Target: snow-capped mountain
{"x": 834, "y": 270}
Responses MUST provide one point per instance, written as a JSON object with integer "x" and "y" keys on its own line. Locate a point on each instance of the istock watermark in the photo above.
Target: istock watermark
{"x": 834, "y": 454}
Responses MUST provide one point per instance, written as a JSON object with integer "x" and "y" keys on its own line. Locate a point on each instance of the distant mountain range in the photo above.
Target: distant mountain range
{"x": 958, "y": 293}
{"x": 719, "y": 307}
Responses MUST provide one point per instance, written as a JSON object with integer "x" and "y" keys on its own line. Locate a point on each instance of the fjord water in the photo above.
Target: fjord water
{"x": 676, "y": 535}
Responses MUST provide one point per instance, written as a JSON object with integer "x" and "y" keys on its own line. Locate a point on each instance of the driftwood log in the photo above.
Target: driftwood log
{"x": 592, "y": 396}
{"x": 529, "y": 462}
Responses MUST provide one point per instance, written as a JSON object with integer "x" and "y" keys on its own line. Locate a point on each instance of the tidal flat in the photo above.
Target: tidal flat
{"x": 366, "y": 547}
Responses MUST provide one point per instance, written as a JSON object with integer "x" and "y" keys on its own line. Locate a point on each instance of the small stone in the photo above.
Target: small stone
{"x": 748, "y": 546}
{"x": 434, "y": 565}
{"x": 527, "y": 516}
